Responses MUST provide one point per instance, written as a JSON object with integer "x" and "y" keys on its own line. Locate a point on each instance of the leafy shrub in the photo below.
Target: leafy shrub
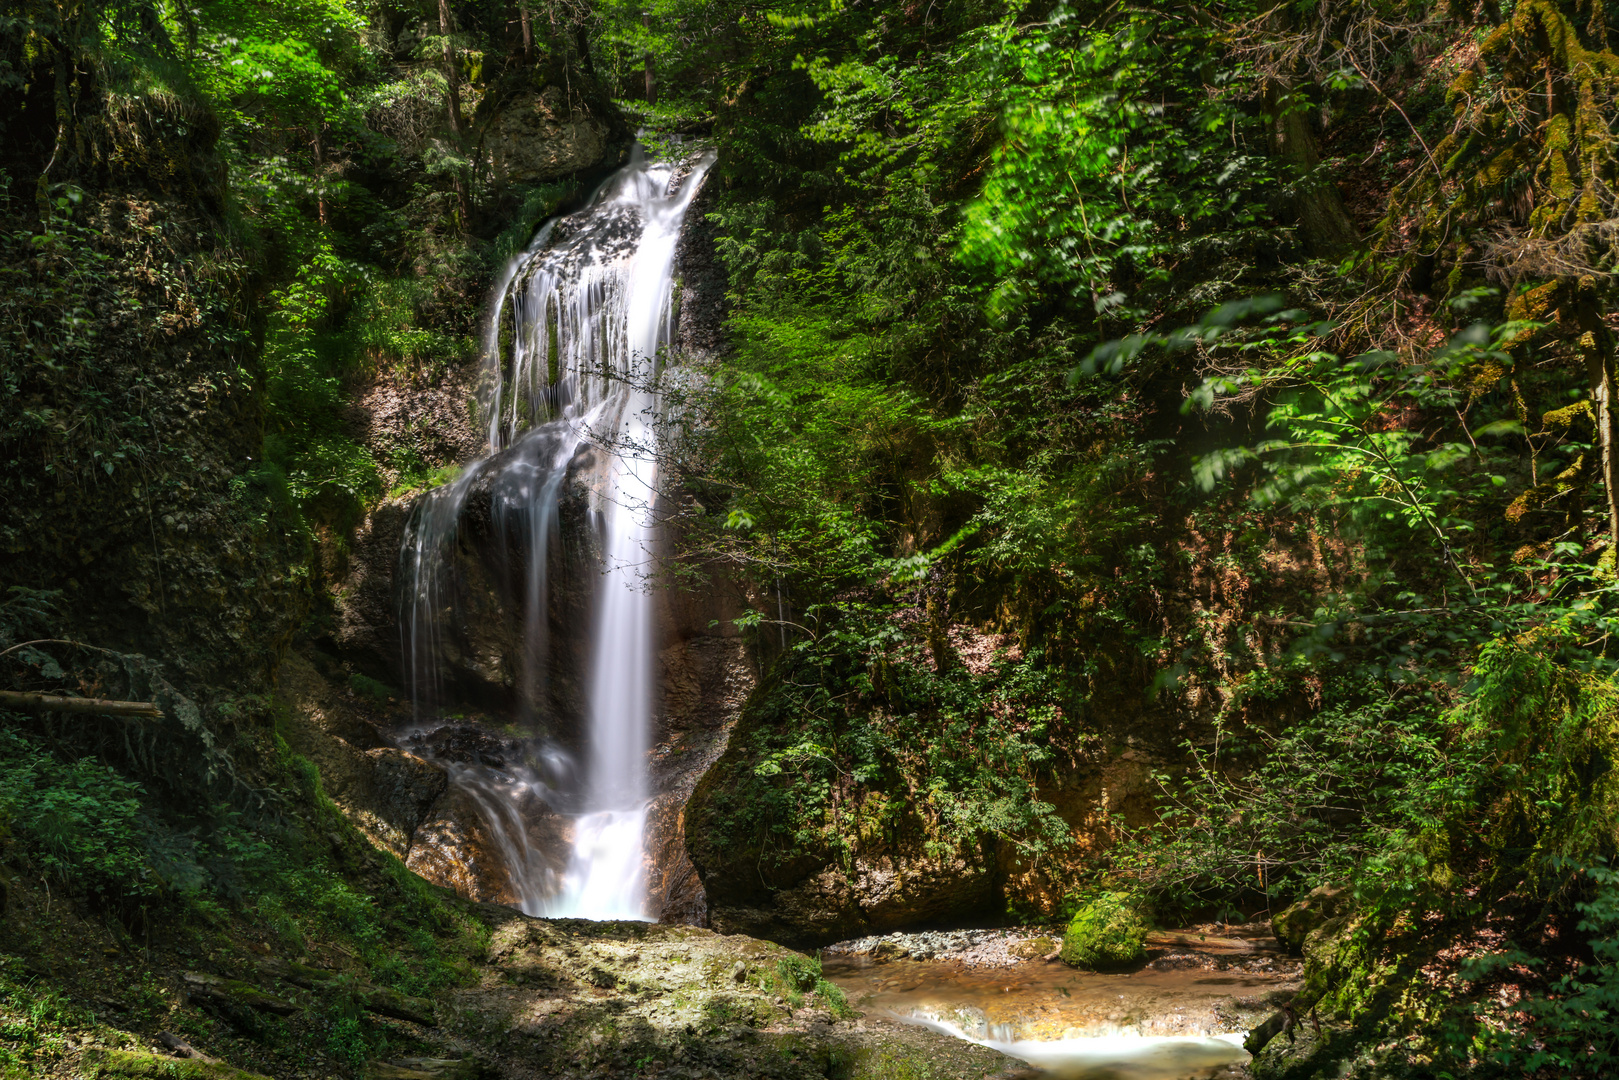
{"x": 799, "y": 972}
{"x": 1107, "y": 932}
{"x": 82, "y": 821}
{"x": 367, "y": 687}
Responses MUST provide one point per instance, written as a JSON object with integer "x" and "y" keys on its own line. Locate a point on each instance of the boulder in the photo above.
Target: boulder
{"x": 1295, "y": 923}
{"x": 1108, "y": 932}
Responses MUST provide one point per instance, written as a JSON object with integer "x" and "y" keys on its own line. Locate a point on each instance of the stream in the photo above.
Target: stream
{"x": 1183, "y": 1012}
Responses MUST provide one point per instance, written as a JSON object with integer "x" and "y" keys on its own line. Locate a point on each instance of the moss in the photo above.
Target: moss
{"x": 131, "y": 1063}
{"x": 1107, "y": 932}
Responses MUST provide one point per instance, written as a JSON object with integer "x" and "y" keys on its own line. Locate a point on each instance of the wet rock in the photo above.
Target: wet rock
{"x": 705, "y": 678}
{"x": 465, "y": 743}
{"x": 700, "y": 324}
{"x": 453, "y": 848}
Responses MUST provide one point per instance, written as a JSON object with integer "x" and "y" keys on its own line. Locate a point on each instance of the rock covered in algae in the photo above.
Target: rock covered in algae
{"x": 1108, "y": 932}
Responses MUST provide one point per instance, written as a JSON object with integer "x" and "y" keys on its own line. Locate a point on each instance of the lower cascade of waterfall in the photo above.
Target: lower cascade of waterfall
{"x": 573, "y": 351}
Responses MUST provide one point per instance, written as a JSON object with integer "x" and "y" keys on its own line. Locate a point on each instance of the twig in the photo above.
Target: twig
{"x": 56, "y": 641}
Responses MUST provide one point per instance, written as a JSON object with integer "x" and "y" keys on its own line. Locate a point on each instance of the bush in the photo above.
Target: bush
{"x": 1107, "y": 932}
{"x": 81, "y": 821}
{"x": 367, "y": 687}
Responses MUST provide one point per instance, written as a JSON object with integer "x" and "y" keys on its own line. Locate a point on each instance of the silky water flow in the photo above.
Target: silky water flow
{"x": 584, "y": 314}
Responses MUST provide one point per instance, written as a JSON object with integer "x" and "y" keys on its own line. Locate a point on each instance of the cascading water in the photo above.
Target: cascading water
{"x": 587, "y": 312}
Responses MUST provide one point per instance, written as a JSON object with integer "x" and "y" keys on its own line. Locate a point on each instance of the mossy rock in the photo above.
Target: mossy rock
{"x": 1108, "y": 932}
{"x": 134, "y": 1063}
{"x": 1033, "y": 949}
{"x": 1294, "y": 924}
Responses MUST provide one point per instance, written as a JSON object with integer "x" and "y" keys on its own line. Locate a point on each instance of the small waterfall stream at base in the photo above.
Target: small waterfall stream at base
{"x": 579, "y": 324}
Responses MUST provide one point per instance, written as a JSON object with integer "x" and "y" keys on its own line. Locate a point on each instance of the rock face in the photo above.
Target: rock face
{"x": 533, "y": 132}
{"x": 903, "y": 886}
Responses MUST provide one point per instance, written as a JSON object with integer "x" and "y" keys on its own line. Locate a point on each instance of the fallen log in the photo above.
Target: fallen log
{"x": 25, "y": 702}
{"x": 373, "y": 999}
{"x": 1195, "y": 940}
{"x": 217, "y": 990}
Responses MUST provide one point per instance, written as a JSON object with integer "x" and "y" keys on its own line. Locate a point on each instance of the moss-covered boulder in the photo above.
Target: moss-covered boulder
{"x": 1295, "y": 923}
{"x": 1108, "y": 932}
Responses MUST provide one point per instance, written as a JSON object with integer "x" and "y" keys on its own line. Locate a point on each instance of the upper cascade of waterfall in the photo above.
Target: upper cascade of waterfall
{"x": 588, "y": 309}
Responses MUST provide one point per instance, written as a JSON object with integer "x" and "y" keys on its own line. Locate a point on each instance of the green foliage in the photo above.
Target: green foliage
{"x": 1107, "y": 932}
{"x": 1344, "y": 791}
{"x": 1096, "y": 187}
{"x": 862, "y": 742}
{"x": 82, "y": 820}
{"x": 271, "y": 64}
{"x": 797, "y": 976}
{"x": 1573, "y": 1023}
{"x": 368, "y": 687}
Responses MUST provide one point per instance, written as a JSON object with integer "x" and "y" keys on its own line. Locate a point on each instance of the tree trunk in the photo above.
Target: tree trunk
{"x": 1325, "y": 223}
{"x": 320, "y": 177}
{"x": 528, "y": 34}
{"x": 1596, "y": 349}
{"x": 64, "y": 124}
{"x": 651, "y": 84}
{"x": 582, "y": 41}
{"x": 452, "y": 68}
{"x": 22, "y": 702}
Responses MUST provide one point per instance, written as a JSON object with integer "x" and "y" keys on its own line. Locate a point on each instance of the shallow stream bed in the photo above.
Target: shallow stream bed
{"x": 1182, "y": 1013}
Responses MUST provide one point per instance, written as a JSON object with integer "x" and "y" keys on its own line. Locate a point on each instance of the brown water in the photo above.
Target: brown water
{"x": 1182, "y": 1015}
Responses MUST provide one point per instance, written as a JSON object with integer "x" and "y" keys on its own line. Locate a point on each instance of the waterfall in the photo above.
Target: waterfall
{"x": 572, "y": 351}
